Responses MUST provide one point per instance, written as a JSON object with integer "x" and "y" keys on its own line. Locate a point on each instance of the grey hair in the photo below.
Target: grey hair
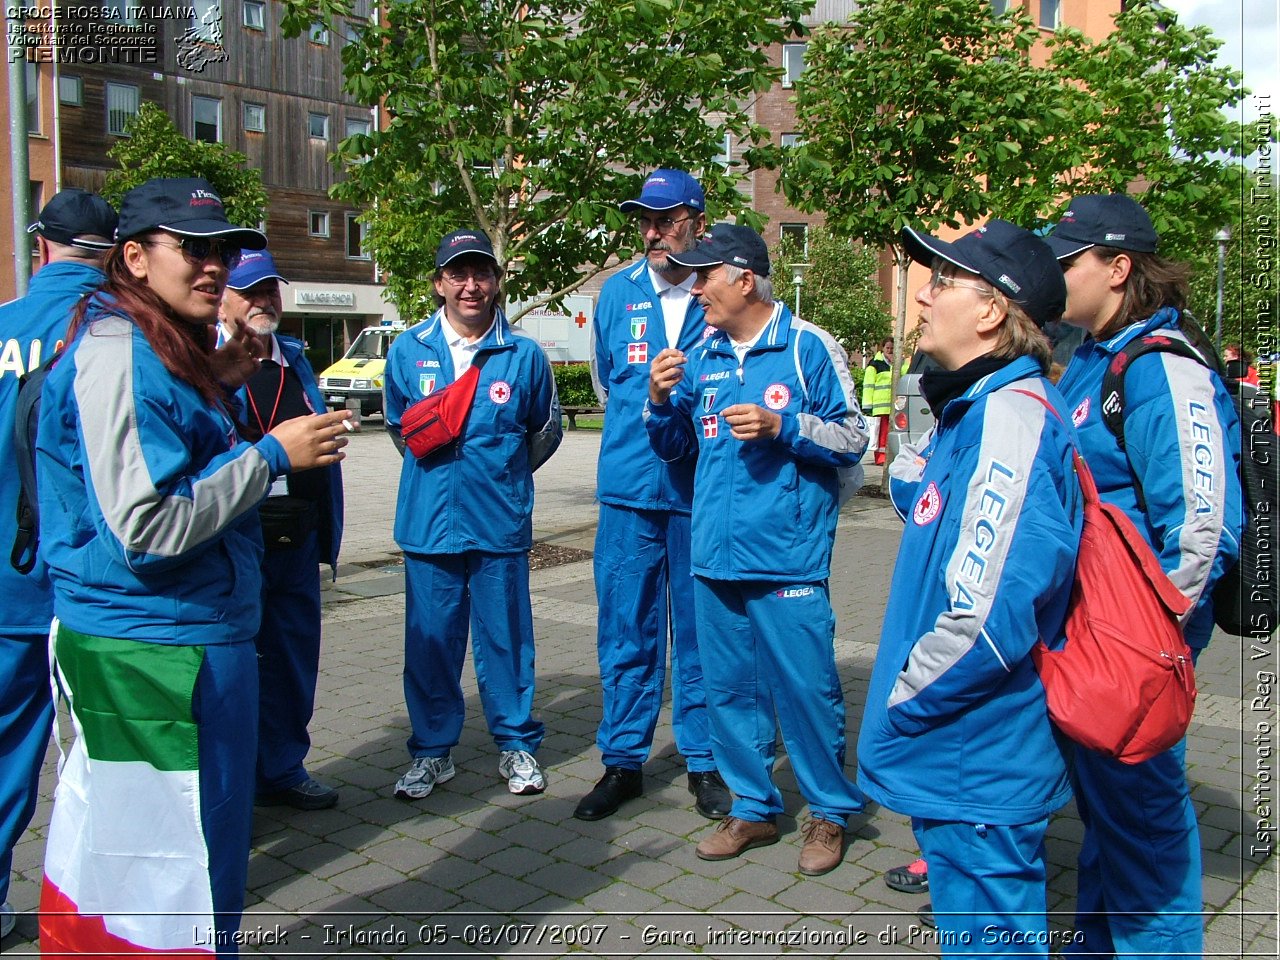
{"x": 763, "y": 287}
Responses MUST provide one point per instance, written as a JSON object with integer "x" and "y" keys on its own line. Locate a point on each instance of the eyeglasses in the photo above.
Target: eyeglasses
{"x": 459, "y": 278}
{"x": 937, "y": 280}
{"x": 664, "y": 225}
{"x": 196, "y": 250}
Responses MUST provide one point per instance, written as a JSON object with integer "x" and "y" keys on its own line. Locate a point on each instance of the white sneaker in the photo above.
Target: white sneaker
{"x": 8, "y": 919}
{"x": 522, "y": 772}
{"x": 423, "y": 776}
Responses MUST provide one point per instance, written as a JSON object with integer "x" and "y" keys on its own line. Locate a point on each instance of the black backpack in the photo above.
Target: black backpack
{"x": 26, "y": 418}
{"x": 1245, "y": 599}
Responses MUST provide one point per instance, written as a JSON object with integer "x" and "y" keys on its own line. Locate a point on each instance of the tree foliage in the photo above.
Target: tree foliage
{"x": 155, "y": 148}
{"x": 840, "y": 292}
{"x": 533, "y": 118}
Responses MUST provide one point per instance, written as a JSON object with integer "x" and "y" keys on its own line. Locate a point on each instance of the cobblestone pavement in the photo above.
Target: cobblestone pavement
{"x": 475, "y": 871}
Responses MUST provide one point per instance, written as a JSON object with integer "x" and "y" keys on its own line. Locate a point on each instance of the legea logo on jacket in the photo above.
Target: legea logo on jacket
{"x": 928, "y": 506}
{"x": 642, "y": 305}
{"x": 789, "y": 592}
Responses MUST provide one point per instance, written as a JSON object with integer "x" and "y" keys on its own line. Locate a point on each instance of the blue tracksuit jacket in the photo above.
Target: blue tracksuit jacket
{"x": 147, "y": 497}
{"x": 779, "y": 497}
{"x": 1183, "y": 440}
{"x": 477, "y": 493}
{"x": 993, "y": 515}
{"x": 31, "y": 330}
{"x": 629, "y": 332}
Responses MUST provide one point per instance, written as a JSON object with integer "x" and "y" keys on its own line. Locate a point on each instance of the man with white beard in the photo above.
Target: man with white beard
{"x": 301, "y": 525}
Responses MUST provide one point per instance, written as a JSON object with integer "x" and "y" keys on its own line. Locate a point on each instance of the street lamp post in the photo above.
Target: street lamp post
{"x": 1222, "y": 236}
{"x": 797, "y": 278}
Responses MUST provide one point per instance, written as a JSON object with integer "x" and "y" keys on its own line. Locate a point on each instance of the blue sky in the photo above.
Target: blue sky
{"x": 1248, "y": 29}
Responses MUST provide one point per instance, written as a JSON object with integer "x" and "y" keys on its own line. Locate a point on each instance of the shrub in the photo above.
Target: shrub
{"x": 573, "y": 381}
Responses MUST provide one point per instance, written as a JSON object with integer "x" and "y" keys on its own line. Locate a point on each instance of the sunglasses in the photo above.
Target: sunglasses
{"x": 196, "y": 250}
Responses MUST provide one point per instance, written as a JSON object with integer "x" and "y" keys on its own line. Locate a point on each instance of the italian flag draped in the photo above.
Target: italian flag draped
{"x": 126, "y": 869}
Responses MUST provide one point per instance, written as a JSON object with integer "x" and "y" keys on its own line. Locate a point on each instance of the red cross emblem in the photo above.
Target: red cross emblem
{"x": 580, "y": 319}
{"x": 710, "y": 426}
{"x": 500, "y": 391}
{"x": 637, "y": 353}
{"x": 776, "y": 396}
{"x": 928, "y": 506}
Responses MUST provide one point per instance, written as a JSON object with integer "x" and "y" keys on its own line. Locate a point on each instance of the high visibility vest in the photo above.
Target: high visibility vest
{"x": 877, "y": 387}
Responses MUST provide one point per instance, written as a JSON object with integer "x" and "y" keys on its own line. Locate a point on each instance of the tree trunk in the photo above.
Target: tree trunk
{"x": 901, "y": 261}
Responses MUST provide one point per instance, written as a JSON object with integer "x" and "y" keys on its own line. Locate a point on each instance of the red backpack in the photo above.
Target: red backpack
{"x": 1123, "y": 683}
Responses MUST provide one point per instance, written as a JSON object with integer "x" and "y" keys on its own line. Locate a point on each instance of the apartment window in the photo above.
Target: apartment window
{"x": 33, "y": 97}
{"x": 71, "y": 90}
{"x": 355, "y": 239}
{"x": 797, "y": 233}
{"x": 792, "y": 62}
{"x": 206, "y": 119}
{"x": 318, "y": 126}
{"x": 35, "y": 197}
{"x": 1050, "y": 14}
{"x": 255, "y": 14}
{"x": 319, "y": 225}
{"x": 122, "y": 104}
{"x": 354, "y": 126}
{"x": 725, "y": 153}
{"x": 319, "y": 33}
{"x": 999, "y": 7}
{"x": 792, "y": 140}
{"x": 206, "y": 20}
{"x": 255, "y": 118}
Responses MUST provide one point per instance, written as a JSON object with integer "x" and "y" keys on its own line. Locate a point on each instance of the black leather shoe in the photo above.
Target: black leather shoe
{"x": 617, "y": 786}
{"x": 308, "y": 795}
{"x": 711, "y": 797}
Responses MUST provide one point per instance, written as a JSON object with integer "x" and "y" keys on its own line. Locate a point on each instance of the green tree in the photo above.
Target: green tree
{"x": 155, "y": 148}
{"x": 533, "y": 118}
{"x": 1146, "y": 106}
{"x": 917, "y": 112}
{"x": 840, "y": 292}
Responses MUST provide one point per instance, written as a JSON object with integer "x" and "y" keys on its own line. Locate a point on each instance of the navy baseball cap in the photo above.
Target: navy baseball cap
{"x": 1013, "y": 260}
{"x": 188, "y": 207}
{"x": 666, "y": 190}
{"x": 729, "y": 243}
{"x": 461, "y": 242}
{"x": 1103, "y": 220}
{"x": 255, "y": 266}
{"x": 74, "y": 214}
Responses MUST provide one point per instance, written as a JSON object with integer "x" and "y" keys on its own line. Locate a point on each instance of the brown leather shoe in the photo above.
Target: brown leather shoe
{"x": 734, "y": 835}
{"x": 823, "y": 847}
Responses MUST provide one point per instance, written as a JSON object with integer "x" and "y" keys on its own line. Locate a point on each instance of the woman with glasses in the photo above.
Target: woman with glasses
{"x": 148, "y": 499}
{"x": 1139, "y": 887}
{"x": 956, "y": 733}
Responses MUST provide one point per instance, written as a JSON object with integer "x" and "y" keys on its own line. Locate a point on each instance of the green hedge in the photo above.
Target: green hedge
{"x": 573, "y": 381}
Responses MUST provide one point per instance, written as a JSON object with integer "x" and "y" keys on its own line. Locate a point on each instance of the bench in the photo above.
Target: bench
{"x": 572, "y": 414}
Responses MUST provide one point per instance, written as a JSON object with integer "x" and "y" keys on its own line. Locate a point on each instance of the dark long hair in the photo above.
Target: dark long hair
{"x": 1154, "y": 282}
{"x": 184, "y": 348}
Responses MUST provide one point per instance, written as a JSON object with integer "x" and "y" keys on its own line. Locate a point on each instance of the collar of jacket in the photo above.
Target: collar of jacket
{"x": 1164, "y": 317}
{"x": 1019, "y": 369}
{"x": 499, "y": 337}
{"x": 774, "y": 336}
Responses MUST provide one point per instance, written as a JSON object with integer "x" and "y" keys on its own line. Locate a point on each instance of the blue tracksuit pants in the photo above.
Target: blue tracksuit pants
{"x": 988, "y": 887}
{"x": 224, "y": 706}
{"x": 642, "y": 584}
{"x": 769, "y": 661}
{"x": 288, "y": 644}
{"x": 1138, "y": 884}
{"x": 444, "y": 594}
{"x": 26, "y": 721}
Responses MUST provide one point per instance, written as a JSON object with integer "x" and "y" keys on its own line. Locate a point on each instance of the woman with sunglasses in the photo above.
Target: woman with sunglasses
{"x": 150, "y": 531}
{"x": 1139, "y": 886}
{"x": 956, "y": 733}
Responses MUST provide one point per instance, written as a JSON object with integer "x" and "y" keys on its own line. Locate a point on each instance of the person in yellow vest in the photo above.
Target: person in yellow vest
{"x": 877, "y": 394}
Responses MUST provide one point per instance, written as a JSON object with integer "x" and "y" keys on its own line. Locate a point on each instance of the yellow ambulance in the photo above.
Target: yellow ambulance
{"x": 358, "y": 375}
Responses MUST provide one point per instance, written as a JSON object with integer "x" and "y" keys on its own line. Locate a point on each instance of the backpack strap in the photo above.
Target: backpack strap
{"x": 1196, "y": 348}
{"x": 1088, "y": 488}
{"x": 25, "y": 420}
